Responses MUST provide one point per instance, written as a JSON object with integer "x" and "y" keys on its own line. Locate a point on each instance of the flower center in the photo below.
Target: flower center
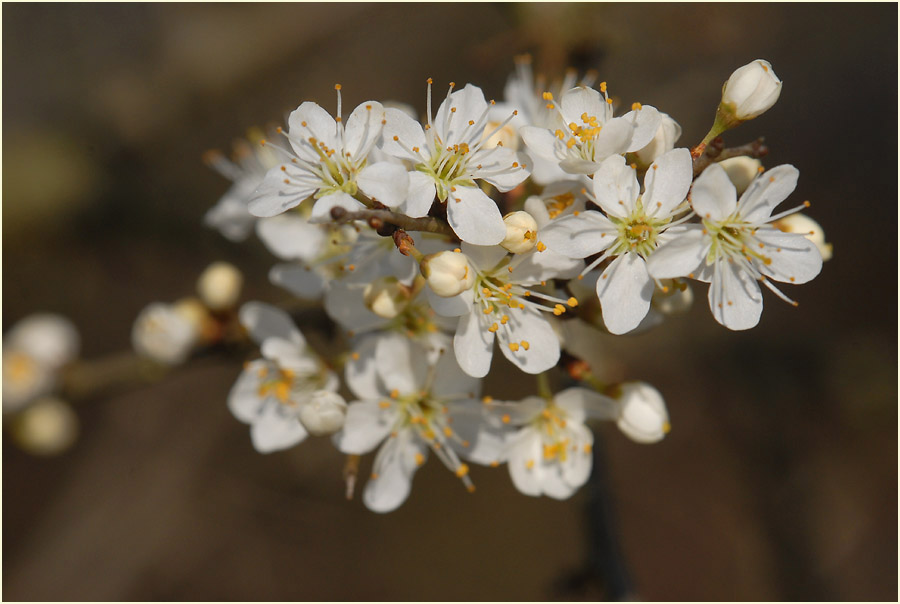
{"x": 449, "y": 168}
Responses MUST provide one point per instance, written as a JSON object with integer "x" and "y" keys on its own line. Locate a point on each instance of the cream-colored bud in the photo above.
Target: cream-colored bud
{"x": 804, "y": 225}
{"x": 675, "y": 299}
{"x": 386, "y": 297}
{"x": 663, "y": 141}
{"x": 448, "y": 273}
{"x": 51, "y": 340}
{"x": 751, "y": 90}
{"x": 642, "y": 414}
{"x": 521, "y": 232}
{"x": 161, "y": 333}
{"x": 220, "y": 285}
{"x": 197, "y": 314}
{"x": 48, "y": 427}
{"x": 741, "y": 171}
{"x": 323, "y": 413}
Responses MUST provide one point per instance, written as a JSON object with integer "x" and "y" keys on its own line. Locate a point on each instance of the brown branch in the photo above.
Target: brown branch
{"x": 715, "y": 152}
{"x": 427, "y": 224}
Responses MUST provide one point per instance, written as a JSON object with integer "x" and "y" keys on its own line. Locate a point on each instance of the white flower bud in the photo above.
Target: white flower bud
{"x": 386, "y": 297}
{"x": 642, "y": 415}
{"x": 676, "y": 299}
{"x": 324, "y": 413}
{"x": 448, "y": 273}
{"x": 663, "y": 141}
{"x": 751, "y": 90}
{"x": 47, "y": 427}
{"x": 49, "y": 339}
{"x": 161, "y": 333}
{"x": 521, "y": 232}
{"x": 220, "y": 285}
{"x": 741, "y": 171}
{"x": 804, "y": 225}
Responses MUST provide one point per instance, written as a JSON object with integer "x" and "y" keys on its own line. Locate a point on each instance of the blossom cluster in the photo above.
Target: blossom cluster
{"x": 431, "y": 243}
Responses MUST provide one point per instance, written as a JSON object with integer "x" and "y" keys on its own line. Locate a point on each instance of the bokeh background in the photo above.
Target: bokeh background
{"x": 778, "y": 481}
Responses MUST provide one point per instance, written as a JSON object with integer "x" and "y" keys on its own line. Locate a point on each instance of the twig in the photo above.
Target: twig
{"x": 427, "y": 224}
{"x": 716, "y": 152}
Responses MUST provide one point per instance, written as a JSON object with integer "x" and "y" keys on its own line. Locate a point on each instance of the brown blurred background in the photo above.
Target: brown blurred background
{"x": 778, "y": 481}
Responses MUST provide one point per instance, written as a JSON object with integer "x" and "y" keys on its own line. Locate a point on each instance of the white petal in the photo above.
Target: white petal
{"x": 276, "y": 429}
{"x": 288, "y": 355}
{"x": 487, "y": 443}
{"x": 795, "y": 259}
{"x": 265, "y": 321}
{"x": 577, "y": 467}
{"x": 274, "y": 195}
{"x": 667, "y": 182}
{"x": 366, "y": 425}
{"x": 475, "y": 217}
{"x": 393, "y": 470}
{"x": 311, "y": 121}
{"x": 578, "y": 101}
{"x": 713, "y": 196}
{"x": 409, "y": 134}
{"x": 579, "y": 236}
{"x": 541, "y": 266}
{"x": 384, "y": 182}
{"x": 420, "y": 195}
{"x": 645, "y": 122}
{"x": 291, "y": 237}
{"x": 767, "y": 191}
{"x": 345, "y": 304}
{"x": 497, "y": 167}
{"x": 614, "y": 138}
{"x": 450, "y": 381}
{"x": 616, "y": 187}
{"x": 321, "y": 211}
{"x": 453, "y": 126}
{"x": 473, "y": 345}
{"x": 243, "y": 399}
{"x": 734, "y": 296}
{"x": 451, "y": 307}
{"x": 581, "y": 403}
{"x": 360, "y": 370}
{"x": 543, "y": 344}
{"x": 625, "y": 289}
{"x": 363, "y": 129}
{"x": 524, "y": 464}
{"x": 400, "y": 363}
{"x": 683, "y": 255}
{"x": 543, "y": 143}
{"x": 483, "y": 257}
{"x": 299, "y": 280}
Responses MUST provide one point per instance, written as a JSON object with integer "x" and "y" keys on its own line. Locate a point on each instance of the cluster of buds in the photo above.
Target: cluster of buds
{"x": 516, "y": 222}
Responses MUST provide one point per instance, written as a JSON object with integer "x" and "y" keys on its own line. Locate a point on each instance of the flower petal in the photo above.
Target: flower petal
{"x": 616, "y": 187}
{"x": 366, "y": 425}
{"x": 543, "y": 143}
{"x": 264, "y": 321}
{"x": 579, "y": 236}
{"x": 451, "y": 122}
{"x": 541, "y": 349}
{"x": 767, "y": 191}
{"x": 284, "y": 187}
{"x": 321, "y": 211}
{"x": 473, "y": 344}
{"x": 408, "y": 133}
{"x": 625, "y": 289}
{"x": 384, "y": 182}
{"x": 523, "y": 462}
{"x": 713, "y": 196}
{"x": 420, "y": 195}
{"x": 501, "y": 167}
{"x": 734, "y": 296}
{"x": 683, "y": 255}
{"x": 645, "y": 123}
{"x": 475, "y": 217}
{"x": 454, "y": 306}
{"x": 243, "y": 399}
{"x": 360, "y": 370}
{"x": 363, "y": 129}
{"x": 400, "y": 363}
{"x": 276, "y": 428}
{"x": 581, "y": 403}
{"x": 795, "y": 259}
{"x": 311, "y": 121}
{"x": 393, "y": 471}
{"x": 667, "y": 182}
{"x": 300, "y": 280}
{"x": 290, "y": 237}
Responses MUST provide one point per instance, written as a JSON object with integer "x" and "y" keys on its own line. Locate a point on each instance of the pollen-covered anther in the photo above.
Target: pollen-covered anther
{"x": 525, "y": 344}
{"x": 487, "y": 400}
{"x": 514, "y": 346}
{"x": 462, "y": 470}
{"x": 493, "y": 328}
{"x": 559, "y": 309}
{"x": 505, "y": 419}
{"x": 636, "y": 106}
{"x": 541, "y": 246}
{"x": 395, "y": 393}
{"x": 572, "y": 301}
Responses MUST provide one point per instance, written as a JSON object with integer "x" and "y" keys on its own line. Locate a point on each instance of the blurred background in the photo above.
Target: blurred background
{"x": 778, "y": 480}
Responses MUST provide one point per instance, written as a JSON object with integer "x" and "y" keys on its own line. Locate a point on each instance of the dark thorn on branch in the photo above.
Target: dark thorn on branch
{"x": 715, "y": 152}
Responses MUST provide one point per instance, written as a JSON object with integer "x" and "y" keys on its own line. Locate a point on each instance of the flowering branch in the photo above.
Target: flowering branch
{"x": 716, "y": 152}
{"x": 378, "y": 218}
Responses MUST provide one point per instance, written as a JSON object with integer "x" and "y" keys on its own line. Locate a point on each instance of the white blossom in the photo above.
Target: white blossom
{"x": 449, "y": 155}
{"x": 633, "y": 225}
{"x": 164, "y": 333}
{"x": 736, "y": 248}
{"x": 329, "y": 162}
{"x": 751, "y": 90}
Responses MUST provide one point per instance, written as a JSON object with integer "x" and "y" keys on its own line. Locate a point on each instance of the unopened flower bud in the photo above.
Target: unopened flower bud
{"x": 48, "y": 427}
{"x": 804, "y": 225}
{"x": 642, "y": 415}
{"x": 741, "y": 171}
{"x": 197, "y": 314}
{"x": 163, "y": 334}
{"x": 386, "y": 297}
{"x": 663, "y": 141}
{"x": 751, "y": 90}
{"x": 448, "y": 273}
{"x": 521, "y": 232}
{"x": 49, "y": 339}
{"x": 220, "y": 285}
{"x": 675, "y": 299}
{"x": 324, "y": 413}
